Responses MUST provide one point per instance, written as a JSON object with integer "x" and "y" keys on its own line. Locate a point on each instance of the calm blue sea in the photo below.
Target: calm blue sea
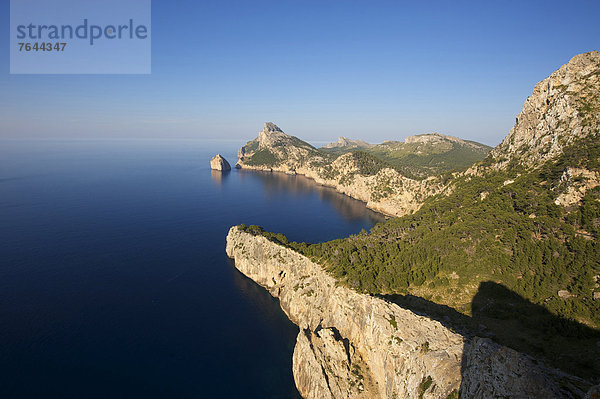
{"x": 114, "y": 281}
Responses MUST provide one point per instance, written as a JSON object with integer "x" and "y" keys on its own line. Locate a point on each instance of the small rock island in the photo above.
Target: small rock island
{"x": 219, "y": 163}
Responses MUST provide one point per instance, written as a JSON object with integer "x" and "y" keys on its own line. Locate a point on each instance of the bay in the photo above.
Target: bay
{"x": 114, "y": 280}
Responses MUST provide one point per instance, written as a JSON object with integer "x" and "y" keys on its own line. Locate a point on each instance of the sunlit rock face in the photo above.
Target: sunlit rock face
{"x": 353, "y": 345}
{"x": 562, "y": 108}
{"x": 219, "y": 163}
{"x": 386, "y": 191}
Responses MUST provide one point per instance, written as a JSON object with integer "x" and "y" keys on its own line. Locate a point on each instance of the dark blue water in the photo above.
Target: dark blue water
{"x": 114, "y": 280}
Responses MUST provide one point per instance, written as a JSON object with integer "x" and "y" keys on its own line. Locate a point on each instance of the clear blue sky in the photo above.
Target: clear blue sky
{"x": 373, "y": 70}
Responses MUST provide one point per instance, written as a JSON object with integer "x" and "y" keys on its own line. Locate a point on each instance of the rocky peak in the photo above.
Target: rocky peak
{"x": 274, "y": 148}
{"x": 219, "y": 163}
{"x": 433, "y": 138}
{"x": 271, "y": 127}
{"x": 271, "y": 135}
{"x": 346, "y": 142}
{"x": 562, "y": 108}
{"x": 341, "y": 142}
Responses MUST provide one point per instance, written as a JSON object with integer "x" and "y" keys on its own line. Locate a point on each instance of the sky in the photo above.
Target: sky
{"x": 372, "y": 70}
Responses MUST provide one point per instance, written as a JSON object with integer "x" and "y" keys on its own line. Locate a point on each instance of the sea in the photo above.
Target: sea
{"x": 114, "y": 282}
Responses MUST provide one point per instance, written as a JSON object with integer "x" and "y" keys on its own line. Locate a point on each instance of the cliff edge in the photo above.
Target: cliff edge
{"x": 358, "y": 174}
{"x": 563, "y": 107}
{"x": 353, "y": 345}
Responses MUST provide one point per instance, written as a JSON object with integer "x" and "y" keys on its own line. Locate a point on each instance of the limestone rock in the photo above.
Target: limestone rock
{"x": 388, "y": 191}
{"x": 327, "y": 366}
{"x": 219, "y": 163}
{"x": 353, "y": 345}
{"x": 436, "y": 138}
{"x": 563, "y": 107}
{"x": 564, "y": 294}
{"x": 343, "y": 142}
{"x": 575, "y": 182}
{"x": 277, "y": 150}
{"x": 494, "y": 371}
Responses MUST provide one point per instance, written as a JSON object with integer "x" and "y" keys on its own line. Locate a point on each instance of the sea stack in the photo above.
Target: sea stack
{"x": 219, "y": 163}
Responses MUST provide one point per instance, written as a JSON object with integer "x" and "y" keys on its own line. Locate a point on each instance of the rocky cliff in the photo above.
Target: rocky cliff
{"x": 353, "y": 345}
{"x": 437, "y": 138}
{"x": 386, "y": 191}
{"x": 219, "y": 163}
{"x": 543, "y": 180}
{"x": 362, "y": 176}
{"x": 345, "y": 142}
{"x": 273, "y": 150}
{"x": 563, "y": 107}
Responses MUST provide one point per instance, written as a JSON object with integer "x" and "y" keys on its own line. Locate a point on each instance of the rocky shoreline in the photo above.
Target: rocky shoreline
{"x": 407, "y": 197}
{"x": 353, "y": 345}
{"x": 387, "y": 191}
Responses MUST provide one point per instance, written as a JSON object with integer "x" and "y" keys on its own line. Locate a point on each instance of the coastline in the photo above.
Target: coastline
{"x": 252, "y": 169}
{"x": 398, "y": 204}
{"x": 397, "y": 352}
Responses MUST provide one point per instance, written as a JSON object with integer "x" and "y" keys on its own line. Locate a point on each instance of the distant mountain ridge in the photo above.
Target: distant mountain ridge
{"x": 273, "y": 148}
{"x": 506, "y": 249}
{"x": 345, "y": 142}
{"x": 392, "y": 177}
{"x": 396, "y": 177}
{"x": 419, "y": 156}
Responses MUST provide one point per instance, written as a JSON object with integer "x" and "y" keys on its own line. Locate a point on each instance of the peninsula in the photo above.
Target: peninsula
{"x": 486, "y": 284}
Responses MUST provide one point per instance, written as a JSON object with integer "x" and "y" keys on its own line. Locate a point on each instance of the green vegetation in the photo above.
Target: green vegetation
{"x": 259, "y": 231}
{"x": 418, "y": 160}
{"x": 262, "y": 157}
{"x": 511, "y": 235}
{"x": 425, "y": 385}
{"x": 516, "y": 235}
{"x": 367, "y": 164}
{"x": 251, "y": 146}
{"x": 453, "y": 395}
{"x": 295, "y": 141}
{"x": 414, "y": 160}
{"x": 393, "y": 321}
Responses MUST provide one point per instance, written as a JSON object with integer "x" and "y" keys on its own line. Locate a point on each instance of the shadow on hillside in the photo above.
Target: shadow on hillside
{"x": 511, "y": 320}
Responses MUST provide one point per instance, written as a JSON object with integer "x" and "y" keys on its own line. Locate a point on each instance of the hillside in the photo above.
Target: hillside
{"x": 275, "y": 149}
{"x": 418, "y": 156}
{"x": 563, "y": 108}
{"x": 351, "y": 345}
{"x": 344, "y": 144}
{"x": 393, "y": 178}
{"x": 510, "y": 249}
